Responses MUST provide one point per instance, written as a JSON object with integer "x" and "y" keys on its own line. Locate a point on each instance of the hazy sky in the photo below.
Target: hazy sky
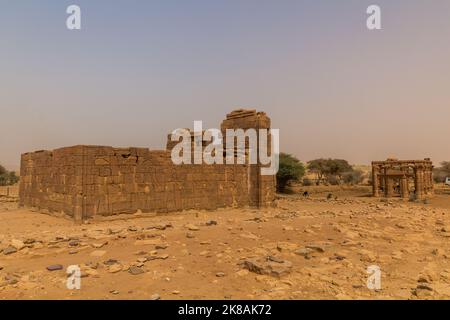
{"x": 139, "y": 69}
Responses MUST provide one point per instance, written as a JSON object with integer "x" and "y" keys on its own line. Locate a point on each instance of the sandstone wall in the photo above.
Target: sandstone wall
{"x": 50, "y": 180}
{"x": 127, "y": 180}
{"x": 87, "y": 181}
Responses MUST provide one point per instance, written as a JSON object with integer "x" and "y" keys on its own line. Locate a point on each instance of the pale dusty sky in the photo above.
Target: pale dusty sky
{"x": 139, "y": 69}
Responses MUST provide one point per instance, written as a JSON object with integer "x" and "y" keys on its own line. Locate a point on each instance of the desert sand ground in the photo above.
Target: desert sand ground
{"x": 323, "y": 248}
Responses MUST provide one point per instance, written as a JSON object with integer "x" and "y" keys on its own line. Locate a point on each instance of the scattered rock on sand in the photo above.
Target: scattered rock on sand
{"x": 29, "y": 241}
{"x": 9, "y": 250}
{"x": 99, "y": 245}
{"x": 147, "y": 242}
{"x": 423, "y": 290}
{"x": 54, "y": 267}
{"x": 157, "y": 257}
{"x": 316, "y": 248}
{"x": 115, "y": 268}
{"x": 192, "y": 227}
{"x": 135, "y": 271}
{"x": 190, "y": 235}
{"x": 74, "y": 243}
{"x": 111, "y": 262}
{"x": 268, "y": 266}
{"x": 304, "y": 252}
{"x": 98, "y": 253}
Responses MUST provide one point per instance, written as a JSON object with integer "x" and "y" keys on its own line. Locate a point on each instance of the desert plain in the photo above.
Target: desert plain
{"x": 316, "y": 247}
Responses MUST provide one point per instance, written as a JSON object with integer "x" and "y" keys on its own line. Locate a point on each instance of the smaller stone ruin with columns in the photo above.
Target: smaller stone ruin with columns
{"x": 402, "y": 178}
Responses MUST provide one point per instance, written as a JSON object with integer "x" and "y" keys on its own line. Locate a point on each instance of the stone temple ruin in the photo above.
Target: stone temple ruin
{"x": 83, "y": 182}
{"x": 402, "y": 178}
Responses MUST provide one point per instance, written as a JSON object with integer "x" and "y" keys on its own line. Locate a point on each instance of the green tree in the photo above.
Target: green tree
{"x": 13, "y": 178}
{"x": 7, "y": 178}
{"x": 291, "y": 169}
{"x": 353, "y": 177}
{"x": 318, "y": 167}
{"x": 337, "y": 167}
{"x": 439, "y": 175}
{"x": 331, "y": 170}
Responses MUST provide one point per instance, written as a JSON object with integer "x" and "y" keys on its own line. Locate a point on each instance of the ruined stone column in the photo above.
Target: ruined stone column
{"x": 431, "y": 180}
{"x": 419, "y": 183}
{"x": 388, "y": 184}
{"x": 404, "y": 187}
{"x": 389, "y": 187}
{"x": 385, "y": 182}
{"x": 426, "y": 181}
{"x": 375, "y": 181}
